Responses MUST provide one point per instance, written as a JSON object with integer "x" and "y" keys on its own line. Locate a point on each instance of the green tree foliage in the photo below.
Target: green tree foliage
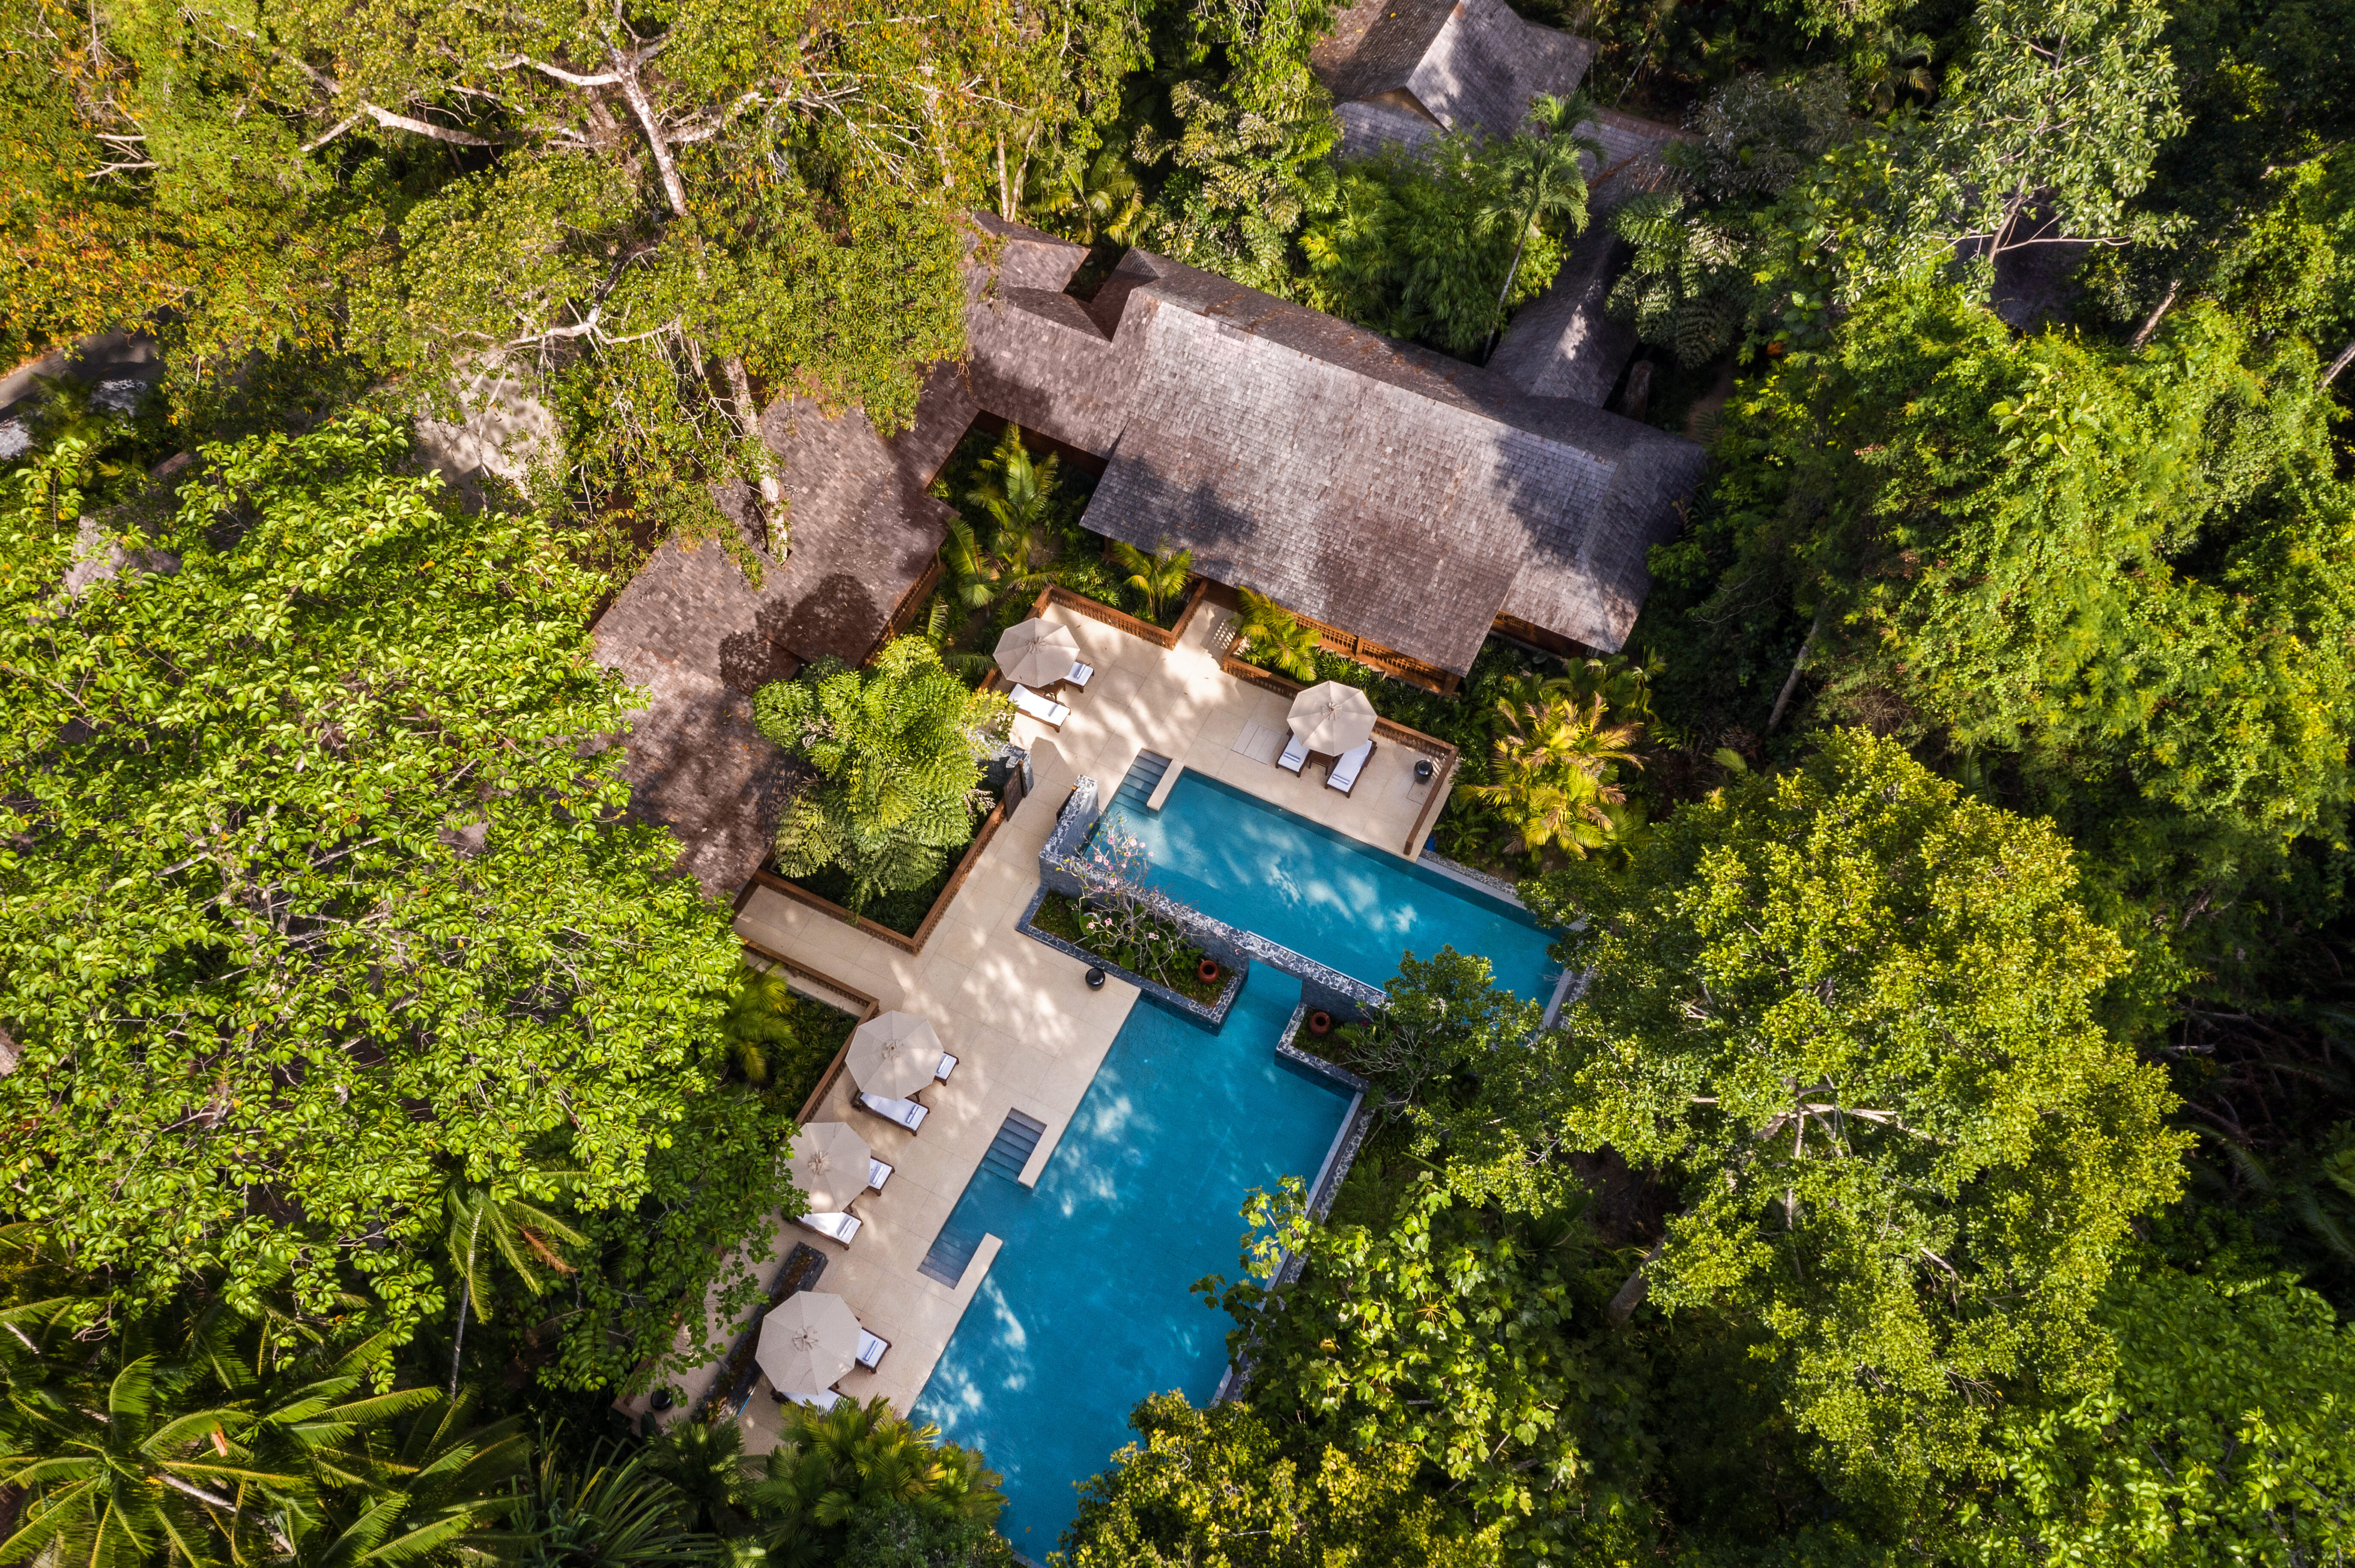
{"x": 2115, "y": 579}
{"x": 1847, "y": 1011}
{"x": 2225, "y": 1439}
{"x": 311, "y": 898}
{"x": 898, "y": 748}
{"x": 652, "y": 225}
{"x": 1424, "y": 247}
{"x": 1223, "y": 1487}
{"x": 1244, "y": 134}
{"x": 1456, "y": 1334}
{"x": 910, "y": 1537}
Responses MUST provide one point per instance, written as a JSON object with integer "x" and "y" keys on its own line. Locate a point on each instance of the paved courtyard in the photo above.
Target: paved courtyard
{"x": 1027, "y": 1033}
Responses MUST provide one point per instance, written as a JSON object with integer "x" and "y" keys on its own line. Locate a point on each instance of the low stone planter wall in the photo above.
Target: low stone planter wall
{"x": 1208, "y": 1016}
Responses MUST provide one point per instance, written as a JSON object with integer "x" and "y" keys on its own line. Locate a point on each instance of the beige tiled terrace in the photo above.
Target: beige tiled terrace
{"x": 1024, "y": 1029}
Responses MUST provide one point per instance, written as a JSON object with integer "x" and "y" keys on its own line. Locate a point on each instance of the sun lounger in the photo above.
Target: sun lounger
{"x": 1081, "y": 675}
{"x": 834, "y": 1227}
{"x": 1348, "y": 766}
{"x": 947, "y": 1066}
{"x": 823, "y": 1401}
{"x": 870, "y": 1349}
{"x": 878, "y": 1173}
{"x": 1045, "y": 710}
{"x": 1296, "y": 756}
{"x": 907, "y": 1112}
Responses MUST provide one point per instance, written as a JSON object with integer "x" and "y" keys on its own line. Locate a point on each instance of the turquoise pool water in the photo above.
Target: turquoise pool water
{"x": 1086, "y": 1309}
{"x": 1325, "y": 896}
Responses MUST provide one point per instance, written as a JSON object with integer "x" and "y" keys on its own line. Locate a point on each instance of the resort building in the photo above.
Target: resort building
{"x": 1406, "y": 503}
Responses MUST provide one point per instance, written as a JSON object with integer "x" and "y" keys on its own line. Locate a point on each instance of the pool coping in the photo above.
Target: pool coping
{"x": 1209, "y": 1016}
{"x": 1494, "y": 886}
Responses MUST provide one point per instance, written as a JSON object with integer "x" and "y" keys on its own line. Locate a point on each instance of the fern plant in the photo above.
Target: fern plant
{"x": 1685, "y": 290}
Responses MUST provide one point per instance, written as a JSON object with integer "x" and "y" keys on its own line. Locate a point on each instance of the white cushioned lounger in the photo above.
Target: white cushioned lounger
{"x": 1045, "y": 710}
{"x": 822, "y": 1401}
{"x": 907, "y": 1112}
{"x": 878, "y": 1173}
{"x": 1081, "y": 675}
{"x": 947, "y": 1066}
{"x": 835, "y": 1227}
{"x": 1296, "y": 756}
{"x": 870, "y": 1349}
{"x": 1344, "y": 777}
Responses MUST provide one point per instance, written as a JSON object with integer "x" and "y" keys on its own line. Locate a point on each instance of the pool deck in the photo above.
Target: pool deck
{"x": 1024, "y": 1029}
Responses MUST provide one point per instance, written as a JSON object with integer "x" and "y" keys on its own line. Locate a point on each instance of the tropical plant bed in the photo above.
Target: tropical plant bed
{"x": 819, "y": 1032}
{"x": 1059, "y": 915}
{"x": 901, "y": 912}
{"x": 799, "y": 1272}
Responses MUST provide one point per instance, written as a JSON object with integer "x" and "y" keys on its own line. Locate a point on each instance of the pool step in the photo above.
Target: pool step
{"x": 951, "y": 1250}
{"x": 1011, "y": 1150}
{"x": 1136, "y": 791}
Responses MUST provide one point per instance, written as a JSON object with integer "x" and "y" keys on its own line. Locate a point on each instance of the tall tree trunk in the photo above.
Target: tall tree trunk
{"x": 732, "y": 366}
{"x": 2346, "y": 357}
{"x": 2150, "y": 322}
{"x": 458, "y": 1345}
{"x": 1791, "y": 682}
{"x": 1510, "y": 273}
{"x": 1631, "y": 1294}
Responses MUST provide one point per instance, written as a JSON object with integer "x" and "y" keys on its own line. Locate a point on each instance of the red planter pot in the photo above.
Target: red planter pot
{"x": 1207, "y": 971}
{"x": 1320, "y": 1022}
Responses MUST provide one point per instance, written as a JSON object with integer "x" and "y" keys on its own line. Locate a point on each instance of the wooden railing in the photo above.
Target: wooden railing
{"x": 799, "y": 894}
{"x": 868, "y": 1007}
{"x": 1120, "y": 620}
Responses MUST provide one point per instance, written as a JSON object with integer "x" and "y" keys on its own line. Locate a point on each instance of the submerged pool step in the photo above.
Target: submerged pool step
{"x": 1136, "y": 789}
{"x": 1011, "y": 1150}
{"x": 951, "y": 1250}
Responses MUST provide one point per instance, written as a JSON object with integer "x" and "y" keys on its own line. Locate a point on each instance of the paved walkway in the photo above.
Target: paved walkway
{"x": 1018, "y": 1016}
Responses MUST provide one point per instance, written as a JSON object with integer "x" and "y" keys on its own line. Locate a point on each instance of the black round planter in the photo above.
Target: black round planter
{"x": 1095, "y": 979}
{"x": 1320, "y": 1022}
{"x": 661, "y": 1400}
{"x": 1422, "y": 770}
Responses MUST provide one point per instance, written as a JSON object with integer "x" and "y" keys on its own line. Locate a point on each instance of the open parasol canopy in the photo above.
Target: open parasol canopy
{"x": 829, "y": 1163}
{"x": 893, "y": 1054}
{"x": 1034, "y": 653}
{"x": 1333, "y": 718}
{"x": 807, "y": 1341}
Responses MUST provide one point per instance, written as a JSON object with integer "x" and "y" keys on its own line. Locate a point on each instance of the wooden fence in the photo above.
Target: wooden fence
{"x": 1120, "y": 620}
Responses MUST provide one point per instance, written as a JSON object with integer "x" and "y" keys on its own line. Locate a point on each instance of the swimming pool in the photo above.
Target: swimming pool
{"x": 1086, "y": 1309}
{"x": 1326, "y": 896}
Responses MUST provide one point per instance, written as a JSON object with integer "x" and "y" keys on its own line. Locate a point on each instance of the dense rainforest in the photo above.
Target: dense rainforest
{"x": 1949, "y": 1154}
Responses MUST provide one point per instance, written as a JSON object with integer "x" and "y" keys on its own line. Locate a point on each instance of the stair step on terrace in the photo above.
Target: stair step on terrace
{"x": 1136, "y": 789}
{"x": 950, "y": 1251}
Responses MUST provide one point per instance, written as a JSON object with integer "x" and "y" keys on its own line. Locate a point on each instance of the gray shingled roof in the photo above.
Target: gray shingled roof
{"x": 1472, "y": 65}
{"x": 1405, "y": 496}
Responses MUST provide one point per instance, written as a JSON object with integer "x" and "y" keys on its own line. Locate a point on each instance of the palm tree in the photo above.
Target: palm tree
{"x": 1160, "y": 576}
{"x": 760, "y": 1021}
{"x": 1895, "y": 67}
{"x": 1103, "y": 194}
{"x": 830, "y": 1470}
{"x": 1543, "y": 179}
{"x": 1018, "y": 494}
{"x": 703, "y": 1461}
{"x": 1277, "y": 635}
{"x": 429, "y": 1481}
{"x": 1551, "y": 769}
{"x": 612, "y": 1513}
{"x": 485, "y": 1221}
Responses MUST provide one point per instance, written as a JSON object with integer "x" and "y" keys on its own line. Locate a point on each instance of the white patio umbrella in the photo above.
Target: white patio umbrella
{"x": 829, "y": 1163}
{"x": 1034, "y": 653}
{"x": 893, "y": 1054}
{"x": 1331, "y": 717}
{"x": 807, "y": 1341}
